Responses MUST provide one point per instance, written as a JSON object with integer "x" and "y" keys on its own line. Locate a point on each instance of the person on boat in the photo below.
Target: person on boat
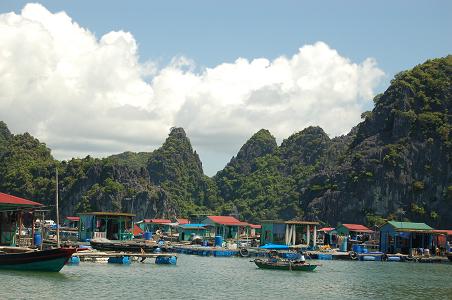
{"x": 273, "y": 256}
{"x": 302, "y": 259}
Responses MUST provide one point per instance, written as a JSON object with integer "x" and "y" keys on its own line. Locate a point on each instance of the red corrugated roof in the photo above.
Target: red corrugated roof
{"x": 255, "y": 226}
{"x": 157, "y": 221}
{"x": 13, "y": 200}
{"x": 182, "y": 221}
{"x": 226, "y": 220}
{"x": 326, "y": 229}
{"x": 73, "y": 219}
{"x": 137, "y": 230}
{"x": 444, "y": 231}
{"x": 357, "y": 227}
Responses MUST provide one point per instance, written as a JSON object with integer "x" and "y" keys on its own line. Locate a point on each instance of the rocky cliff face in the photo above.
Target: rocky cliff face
{"x": 396, "y": 164}
{"x": 399, "y": 163}
{"x": 104, "y": 187}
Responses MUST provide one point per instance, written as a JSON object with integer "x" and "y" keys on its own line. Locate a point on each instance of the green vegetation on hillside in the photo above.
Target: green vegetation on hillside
{"x": 397, "y": 159}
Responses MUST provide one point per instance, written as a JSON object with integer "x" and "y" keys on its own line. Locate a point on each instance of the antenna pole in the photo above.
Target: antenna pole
{"x": 57, "y": 212}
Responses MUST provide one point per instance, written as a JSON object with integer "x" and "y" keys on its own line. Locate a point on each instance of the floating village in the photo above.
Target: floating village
{"x": 31, "y": 242}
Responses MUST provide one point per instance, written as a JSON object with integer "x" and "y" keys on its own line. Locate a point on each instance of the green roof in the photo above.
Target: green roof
{"x": 409, "y": 225}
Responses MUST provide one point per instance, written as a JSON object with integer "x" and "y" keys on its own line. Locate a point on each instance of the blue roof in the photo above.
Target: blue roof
{"x": 186, "y": 226}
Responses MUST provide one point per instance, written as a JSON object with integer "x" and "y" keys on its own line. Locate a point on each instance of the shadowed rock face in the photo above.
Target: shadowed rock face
{"x": 394, "y": 164}
{"x": 399, "y": 162}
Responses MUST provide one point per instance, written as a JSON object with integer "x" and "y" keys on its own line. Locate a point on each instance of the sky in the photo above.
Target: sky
{"x": 103, "y": 77}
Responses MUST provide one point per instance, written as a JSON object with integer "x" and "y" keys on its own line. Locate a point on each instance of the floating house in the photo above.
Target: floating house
{"x": 289, "y": 232}
{"x": 254, "y": 230}
{"x": 402, "y": 237}
{"x": 109, "y": 225}
{"x": 188, "y": 231}
{"x": 152, "y": 225}
{"x": 226, "y": 226}
{"x": 328, "y": 235}
{"x": 443, "y": 240}
{"x": 13, "y": 212}
{"x": 352, "y": 230}
{"x": 180, "y": 221}
{"x": 72, "y": 222}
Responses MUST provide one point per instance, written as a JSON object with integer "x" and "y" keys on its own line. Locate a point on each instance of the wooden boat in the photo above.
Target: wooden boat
{"x": 53, "y": 260}
{"x": 284, "y": 265}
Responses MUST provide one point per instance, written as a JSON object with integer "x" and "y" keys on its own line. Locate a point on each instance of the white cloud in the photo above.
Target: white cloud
{"x": 81, "y": 95}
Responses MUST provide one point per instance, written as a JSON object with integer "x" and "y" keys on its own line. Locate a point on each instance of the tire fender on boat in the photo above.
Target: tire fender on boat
{"x": 353, "y": 255}
{"x": 244, "y": 252}
{"x": 384, "y": 257}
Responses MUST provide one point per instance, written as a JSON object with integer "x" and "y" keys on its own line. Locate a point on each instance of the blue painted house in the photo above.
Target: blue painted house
{"x": 402, "y": 237}
{"x": 187, "y": 231}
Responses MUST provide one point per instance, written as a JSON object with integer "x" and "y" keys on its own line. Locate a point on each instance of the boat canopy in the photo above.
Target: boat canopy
{"x": 274, "y": 247}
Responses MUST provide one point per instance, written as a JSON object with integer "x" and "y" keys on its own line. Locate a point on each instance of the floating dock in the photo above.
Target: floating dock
{"x": 206, "y": 251}
{"x": 125, "y": 257}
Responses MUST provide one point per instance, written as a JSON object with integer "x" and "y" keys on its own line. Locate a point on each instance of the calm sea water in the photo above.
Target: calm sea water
{"x": 232, "y": 278}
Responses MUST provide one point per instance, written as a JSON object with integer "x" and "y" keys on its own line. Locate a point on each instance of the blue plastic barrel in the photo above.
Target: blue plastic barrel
{"x": 123, "y": 260}
{"x": 74, "y": 260}
{"x": 166, "y": 260}
{"x": 394, "y": 258}
{"x": 218, "y": 241}
{"x": 37, "y": 239}
{"x": 369, "y": 258}
{"x": 343, "y": 246}
{"x": 323, "y": 256}
{"x": 148, "y": 235}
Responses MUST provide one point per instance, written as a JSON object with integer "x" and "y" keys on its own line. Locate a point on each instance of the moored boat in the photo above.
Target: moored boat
{"x": 284, "y": 265}
{"x": 449, "y": 256}
{"x": 52, "y": 260}
{"x": 126, "y": 246}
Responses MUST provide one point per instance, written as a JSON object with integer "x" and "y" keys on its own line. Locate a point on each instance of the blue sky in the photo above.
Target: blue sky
{"x": 397, "y": 34}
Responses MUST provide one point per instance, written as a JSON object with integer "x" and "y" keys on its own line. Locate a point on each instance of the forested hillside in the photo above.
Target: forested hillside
{"x": 395, "y": 164}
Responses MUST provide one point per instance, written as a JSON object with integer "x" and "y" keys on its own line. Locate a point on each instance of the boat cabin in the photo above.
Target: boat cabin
{"x": 15, "y": 213}
{"x": 404, "y": 237}
{"x": 289, "y": 232}
{"x": 108, "y": 225}
{"x": 226, "y": 226}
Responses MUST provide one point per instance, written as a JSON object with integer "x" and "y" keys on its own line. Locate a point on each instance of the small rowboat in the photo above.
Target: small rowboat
{"x": 53, "y": 260}
{"x": 284, "y": 265}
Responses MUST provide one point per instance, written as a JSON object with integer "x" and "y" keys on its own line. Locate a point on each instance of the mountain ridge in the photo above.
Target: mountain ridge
{"x": 395, "y": 164}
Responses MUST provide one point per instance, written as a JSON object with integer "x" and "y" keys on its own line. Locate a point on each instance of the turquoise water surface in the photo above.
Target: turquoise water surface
{"x": 232, "y": 278}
